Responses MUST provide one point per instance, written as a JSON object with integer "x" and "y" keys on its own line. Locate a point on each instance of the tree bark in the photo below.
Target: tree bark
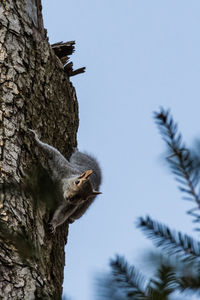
{"x": 36, "y": 93}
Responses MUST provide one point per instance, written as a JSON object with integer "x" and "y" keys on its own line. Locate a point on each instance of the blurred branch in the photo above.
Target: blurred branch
{"x": 107, "y": 288}
{"x": 127, "y": 283}
{"x": 164, "y": 283}
{"x": 128, "y": 279}
{"x": 189, "y": 283}
{"x": 171, "y": 241}
{"x": 178, "y": 266}
{"x": 183, "y": 164}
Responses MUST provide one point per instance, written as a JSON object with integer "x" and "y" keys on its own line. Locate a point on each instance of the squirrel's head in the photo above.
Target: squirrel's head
{"x": 81, "y": 187}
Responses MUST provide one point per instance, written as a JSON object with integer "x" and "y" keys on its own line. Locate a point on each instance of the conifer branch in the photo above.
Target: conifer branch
{"x": 189, "y": 283}
{"x": 107, "y": 288}
{"x": 183, "y": 164}
{"x": 128, "y": 279}
{"x": 164, "y": 283}
{"x": 171, "y": 241}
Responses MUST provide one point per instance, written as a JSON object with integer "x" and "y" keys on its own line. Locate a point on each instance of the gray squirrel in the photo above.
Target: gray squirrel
{"x": 79, "y": 179}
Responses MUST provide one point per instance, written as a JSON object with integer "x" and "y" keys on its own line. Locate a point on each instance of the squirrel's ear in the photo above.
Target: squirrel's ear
{"x": 85, "y": 175}
{"x": 96, "y": 192}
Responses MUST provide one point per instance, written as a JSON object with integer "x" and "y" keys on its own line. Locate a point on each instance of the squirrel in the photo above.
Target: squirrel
{"x": 79, "y": 179}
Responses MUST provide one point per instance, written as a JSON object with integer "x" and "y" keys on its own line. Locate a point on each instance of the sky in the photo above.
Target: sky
{"x": 139, "y": 55}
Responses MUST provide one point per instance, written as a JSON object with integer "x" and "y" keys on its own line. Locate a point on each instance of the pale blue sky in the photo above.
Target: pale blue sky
{"x": 139, "y": 55}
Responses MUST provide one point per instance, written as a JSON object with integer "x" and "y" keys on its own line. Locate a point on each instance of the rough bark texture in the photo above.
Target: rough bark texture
{"x": 36, "y": 93}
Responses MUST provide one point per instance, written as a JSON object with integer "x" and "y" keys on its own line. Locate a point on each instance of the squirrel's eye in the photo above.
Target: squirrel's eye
{"x": 77, "y": 182}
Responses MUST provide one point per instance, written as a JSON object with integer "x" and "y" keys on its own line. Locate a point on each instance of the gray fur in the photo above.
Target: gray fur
{"x": 76, "y": 200}
{"x": 83, "y": 161}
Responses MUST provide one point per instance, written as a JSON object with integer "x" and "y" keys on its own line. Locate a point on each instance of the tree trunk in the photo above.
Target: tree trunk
{"x": 35, "y": 92}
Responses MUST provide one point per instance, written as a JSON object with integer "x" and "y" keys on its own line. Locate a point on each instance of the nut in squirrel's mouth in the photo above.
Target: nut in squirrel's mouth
{"x": 85, "y": 175}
